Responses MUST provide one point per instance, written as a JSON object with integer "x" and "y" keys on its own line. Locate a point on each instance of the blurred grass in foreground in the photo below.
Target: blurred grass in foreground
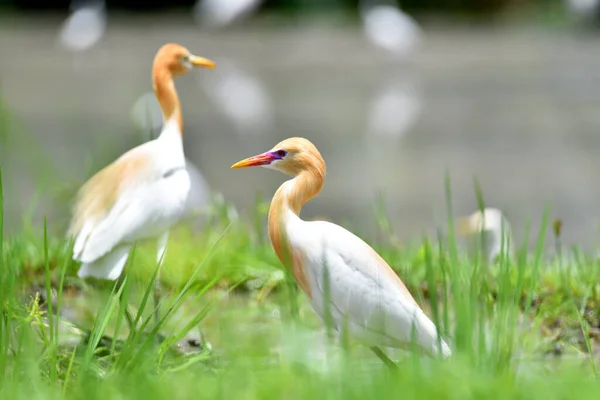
{"x": 504, "y": 323}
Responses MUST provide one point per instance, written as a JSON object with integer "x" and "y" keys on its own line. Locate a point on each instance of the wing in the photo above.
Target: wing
{"x": 365, "y": 292}
{"x": 104, "y": 198}
{"x": 108, "y": 266}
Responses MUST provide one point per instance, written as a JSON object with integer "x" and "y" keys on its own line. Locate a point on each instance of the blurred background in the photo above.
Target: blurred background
{"x": 395, "y": 94}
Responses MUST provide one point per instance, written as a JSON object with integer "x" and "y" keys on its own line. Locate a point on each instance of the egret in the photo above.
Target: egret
{"x": 394, "y": 110}
{"x": 144, "y": 192}
{"x": 493, "y": 229}
{"x": 84, "y": 28}
{"x": 147, "y": 115}
{"x": 388, "y": 28}
{"x": 220, "y": 13}
{"x": 241, "y": 97}
{"x": 364, "y": 294}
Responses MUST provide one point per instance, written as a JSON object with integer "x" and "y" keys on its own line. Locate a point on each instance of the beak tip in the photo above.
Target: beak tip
{"x": 202, "y": 62}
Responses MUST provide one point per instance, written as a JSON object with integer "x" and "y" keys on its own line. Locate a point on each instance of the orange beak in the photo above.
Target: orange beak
{"x": 260, "y": 159}
{"x": 201, "y": 62}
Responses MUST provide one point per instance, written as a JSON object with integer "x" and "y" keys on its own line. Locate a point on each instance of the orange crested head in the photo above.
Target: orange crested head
{"x": 291, "y": 156}
{"x": 178, "y": 60}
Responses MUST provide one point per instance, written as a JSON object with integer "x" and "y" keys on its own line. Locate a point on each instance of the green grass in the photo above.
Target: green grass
{"x": 260, "y": 339}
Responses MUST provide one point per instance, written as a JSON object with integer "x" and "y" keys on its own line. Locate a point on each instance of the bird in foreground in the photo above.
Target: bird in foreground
{"x": 144, "y": 192}
{"x": 493, "y": 232}
{"x": 364, "y": 294}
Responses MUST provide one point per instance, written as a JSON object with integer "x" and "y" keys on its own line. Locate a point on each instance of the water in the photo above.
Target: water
{"x": 518, "y": 108}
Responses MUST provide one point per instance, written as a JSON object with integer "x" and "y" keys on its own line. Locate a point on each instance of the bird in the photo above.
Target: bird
{"x": 241, "y": 97}
{"x": 221, "y": 13}
{"x": 85, "y": 27}
{"x": 494, "y": 231}
{"x": 144, "y": 192}
{"x": 394, "y": 110}
{"x": 364, "y": 294}
{"x": 388, "y": 28}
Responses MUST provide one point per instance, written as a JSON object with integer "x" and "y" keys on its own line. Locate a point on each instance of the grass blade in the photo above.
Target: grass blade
{"x": 51, "y": 317}
{"x": 1, "y": 223}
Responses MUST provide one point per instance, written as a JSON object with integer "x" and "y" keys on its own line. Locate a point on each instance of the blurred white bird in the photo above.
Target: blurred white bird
{"x": 144, "y": 192}
{"x": 220, "y": 13}
{"x": 584, "y": 9}
{"x": 147, "y": 116}
{"x": 388, "y": 28}
{"x": 491, "y": 233}
{"x": 393, "y": 110}
{"x": 240, "y": 97}
{"x": 85, "y": 26}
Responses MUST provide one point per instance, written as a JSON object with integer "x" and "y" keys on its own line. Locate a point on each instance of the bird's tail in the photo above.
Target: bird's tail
{"x": 110, "y": 266}
{"x": 444, "y": 350}
{"x": 429, "y": 339}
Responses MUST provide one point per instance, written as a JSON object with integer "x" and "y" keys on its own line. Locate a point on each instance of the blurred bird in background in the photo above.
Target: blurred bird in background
{"x": 489, "y": 234}
{"x": 144, "y": 192}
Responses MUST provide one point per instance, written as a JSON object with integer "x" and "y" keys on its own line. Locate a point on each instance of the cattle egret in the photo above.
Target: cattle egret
{"x": 144, "y": 192}
{"x": 220, "y": 13}
{"x": 148, "y": 118}
{"x": 241, "y": 97}
{"x": 388, "y": 28}
{"x": 584, "y": 9}
{"x": 493, "y": 230}
{"x": 394, "y": 110}
{"x": 364, "y": 295}
{"x": 85, "y": 26}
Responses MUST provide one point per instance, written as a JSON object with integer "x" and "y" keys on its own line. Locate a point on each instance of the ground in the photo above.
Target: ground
{"x": 234, "y": 326}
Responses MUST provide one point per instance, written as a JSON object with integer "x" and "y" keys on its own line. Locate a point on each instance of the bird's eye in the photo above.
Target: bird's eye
{"x": 185, "y": 60}
{"x": 281, "y": 153}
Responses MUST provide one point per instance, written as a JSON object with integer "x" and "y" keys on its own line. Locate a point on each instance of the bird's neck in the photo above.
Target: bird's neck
{"x": 164, "y": 88}
{"x": 500, "y": 242}
{"x": 287, "y": 204}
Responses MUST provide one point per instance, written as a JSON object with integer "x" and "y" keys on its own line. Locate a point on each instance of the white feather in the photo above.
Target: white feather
{"x": 145, "y": 209}
{"x": 374, "y": 307}
{"x": 110, "y": 266}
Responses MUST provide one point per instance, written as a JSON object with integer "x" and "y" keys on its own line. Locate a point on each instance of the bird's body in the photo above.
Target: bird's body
{"x": 144, "y": 192}
{"x": 364, "y": 290}
{"x": 140, "y": 196}
{"x": 388, "y": 28}
{"x": 491, "y": 232}
{"x": 365, "y": 295}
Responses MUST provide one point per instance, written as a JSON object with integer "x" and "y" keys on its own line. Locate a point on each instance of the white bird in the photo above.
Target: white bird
{"x": 388, "y": 28}
{"x": 241, "y": 98}
{"x": 148, "y": 117}
{"x": 584, "y": 9}
{"x": 364, "y": 294}
{"x": 85, "y": 26}
{"x": 219, "y": 13}
{"x": 492, "y": 232}
{"x": 144, "y": 192}
{"x": 394, "y": 110}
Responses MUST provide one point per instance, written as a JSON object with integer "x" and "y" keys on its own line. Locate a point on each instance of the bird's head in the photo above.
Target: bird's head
{"x": 178, "y": 60}
{"x": 291, "y": 156}
{"x": 491, "y": 219}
